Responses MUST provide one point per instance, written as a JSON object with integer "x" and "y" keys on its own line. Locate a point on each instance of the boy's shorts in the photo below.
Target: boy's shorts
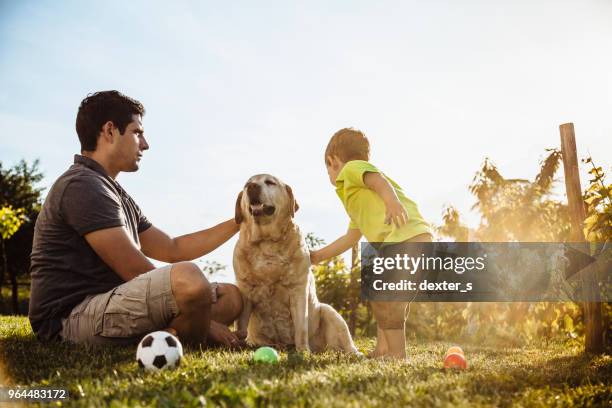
{"x": 124, "y": 314}
{"x": 392, "y": 314}
{"x": 391, "y": 251}
{"x": 393, "y": 275}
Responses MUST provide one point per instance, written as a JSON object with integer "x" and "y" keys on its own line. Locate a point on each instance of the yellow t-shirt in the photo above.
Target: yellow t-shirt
{"x": 367, "y": 210}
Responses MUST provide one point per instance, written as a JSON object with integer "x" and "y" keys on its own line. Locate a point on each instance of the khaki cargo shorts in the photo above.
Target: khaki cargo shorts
{"x": 124, "y": 314}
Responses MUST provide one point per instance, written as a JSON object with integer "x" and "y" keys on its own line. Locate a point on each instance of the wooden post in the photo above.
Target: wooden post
{"x": 591, "y": 310}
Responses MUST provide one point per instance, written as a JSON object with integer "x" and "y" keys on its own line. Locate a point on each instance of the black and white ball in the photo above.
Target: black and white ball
{"x": 159, "y": 350}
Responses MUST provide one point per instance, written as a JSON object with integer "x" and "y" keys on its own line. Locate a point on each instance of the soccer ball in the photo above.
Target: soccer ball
{"x": 159, "y": 350}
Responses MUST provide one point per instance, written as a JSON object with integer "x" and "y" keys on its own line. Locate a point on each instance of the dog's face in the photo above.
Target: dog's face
{"x": 263, "y": 199}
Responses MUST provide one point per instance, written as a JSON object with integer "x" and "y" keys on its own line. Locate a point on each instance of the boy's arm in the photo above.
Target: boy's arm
{"x": 337, "y": 247}
{"x": 396, "y": 212}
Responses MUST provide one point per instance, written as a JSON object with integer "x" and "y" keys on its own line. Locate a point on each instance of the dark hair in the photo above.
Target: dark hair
{"x": 100, "y": 107}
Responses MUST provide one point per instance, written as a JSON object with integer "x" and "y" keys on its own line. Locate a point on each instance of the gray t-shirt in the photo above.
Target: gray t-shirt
{"x": 64, "y": 268}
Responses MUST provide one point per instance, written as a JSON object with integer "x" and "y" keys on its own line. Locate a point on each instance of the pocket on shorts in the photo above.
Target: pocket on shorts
{"x": 79, "y": 308}
{"x": 127, "y": 312}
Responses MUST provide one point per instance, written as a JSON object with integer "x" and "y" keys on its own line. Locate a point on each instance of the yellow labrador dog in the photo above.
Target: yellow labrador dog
{"x": 272, "y": 266}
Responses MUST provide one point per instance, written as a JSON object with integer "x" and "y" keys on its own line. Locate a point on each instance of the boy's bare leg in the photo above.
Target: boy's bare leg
{"x": 391, "y": 336}
{"x": 380, "y": 309}
{"x": 381, "y": 344}
{"x": 396, "y": 340}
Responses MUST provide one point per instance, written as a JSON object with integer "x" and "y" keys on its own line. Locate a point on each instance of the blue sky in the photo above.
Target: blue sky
{"x": 238, "y": 88}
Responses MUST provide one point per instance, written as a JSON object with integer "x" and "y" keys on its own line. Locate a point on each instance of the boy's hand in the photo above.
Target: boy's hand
{"x": 396, "y": 213}
{"x": 342, "y": 244}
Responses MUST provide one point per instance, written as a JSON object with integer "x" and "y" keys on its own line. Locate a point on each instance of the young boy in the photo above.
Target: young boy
{"x": 379, "y": 210}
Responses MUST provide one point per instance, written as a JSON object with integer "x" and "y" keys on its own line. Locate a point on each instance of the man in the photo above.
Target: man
{"x": 91, "y": 279}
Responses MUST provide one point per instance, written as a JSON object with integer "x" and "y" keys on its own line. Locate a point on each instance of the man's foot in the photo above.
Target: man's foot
{"x": 171, "y": 331}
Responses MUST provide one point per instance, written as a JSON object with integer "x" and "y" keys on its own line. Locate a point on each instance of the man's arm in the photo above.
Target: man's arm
{"x": 395, "y": 211}
{"x": 117, "y": 249}
{"x": 158, "y": 245}
{"x": 339, "y": 246}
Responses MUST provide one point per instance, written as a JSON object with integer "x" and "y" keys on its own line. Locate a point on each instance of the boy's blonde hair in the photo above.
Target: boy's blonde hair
{"x": 348, "y": 144}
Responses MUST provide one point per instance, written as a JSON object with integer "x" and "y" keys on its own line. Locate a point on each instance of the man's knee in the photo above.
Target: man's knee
{"x": 189, "y": 285}
{"x": 229, "y": 305}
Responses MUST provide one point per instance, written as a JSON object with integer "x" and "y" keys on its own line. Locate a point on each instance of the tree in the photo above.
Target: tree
{"x": 519, "y": 209}
{"x": 516, "y": 210}
{"x": 598, "y": 200}
{"x": 10, "y": 222}
{"x": 210, "y": 268}
{"x": 598, "y": 226}
{"x": 18, "y": 189}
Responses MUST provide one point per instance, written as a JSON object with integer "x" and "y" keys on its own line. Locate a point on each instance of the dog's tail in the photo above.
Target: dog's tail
{"x": 335, "y": 330}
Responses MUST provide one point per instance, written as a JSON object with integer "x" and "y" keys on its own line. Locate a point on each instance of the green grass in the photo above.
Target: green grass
{"x": 555, "y": 375}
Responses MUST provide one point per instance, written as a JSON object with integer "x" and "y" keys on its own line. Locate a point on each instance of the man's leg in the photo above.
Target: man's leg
{"x": 228, "y": 306}
{"x": 193, "y": 296}
{"x": 175, "y": 296}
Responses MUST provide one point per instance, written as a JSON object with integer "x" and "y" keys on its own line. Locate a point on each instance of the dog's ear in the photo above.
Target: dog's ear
{"x": 238, "y": 217}
{"x": 292, "y": 203}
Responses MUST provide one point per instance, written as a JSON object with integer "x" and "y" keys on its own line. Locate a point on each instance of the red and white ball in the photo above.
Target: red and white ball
{"x": 455, "y": 358}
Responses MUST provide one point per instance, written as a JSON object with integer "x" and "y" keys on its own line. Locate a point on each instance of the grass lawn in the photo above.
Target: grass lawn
{"x": 555, "y": 375}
